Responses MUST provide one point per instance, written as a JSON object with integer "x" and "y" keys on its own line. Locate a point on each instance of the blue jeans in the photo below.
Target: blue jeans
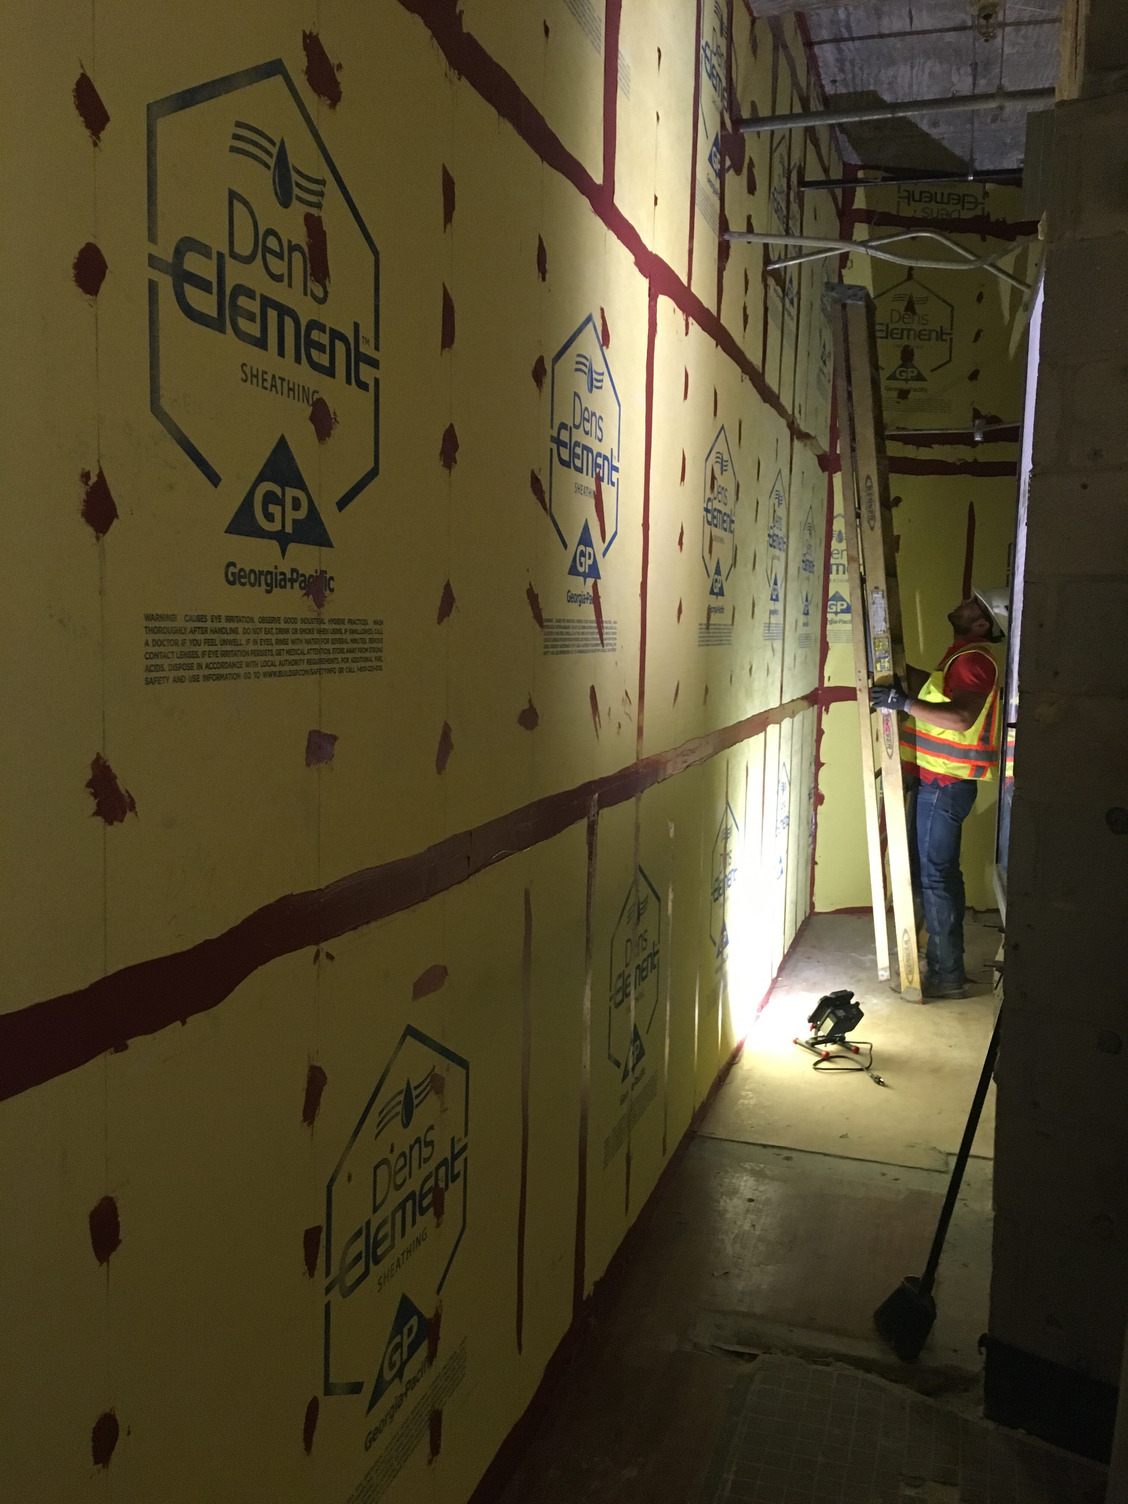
{"x": 936, "y": 815}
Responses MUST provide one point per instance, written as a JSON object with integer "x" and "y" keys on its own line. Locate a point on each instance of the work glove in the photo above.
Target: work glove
{"x": 889, "y": 697}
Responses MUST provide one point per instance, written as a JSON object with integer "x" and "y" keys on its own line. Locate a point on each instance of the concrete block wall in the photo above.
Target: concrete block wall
{"x": 1059, "y": 1299}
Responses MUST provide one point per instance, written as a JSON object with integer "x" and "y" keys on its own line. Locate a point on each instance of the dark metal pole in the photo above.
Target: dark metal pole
{"x": 928, "y": 1278}
{"x": 815, "y": 118}
{"x": 1010, "y": 176}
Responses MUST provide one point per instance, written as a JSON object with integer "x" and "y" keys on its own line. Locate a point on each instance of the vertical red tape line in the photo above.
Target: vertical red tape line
{"x": 612, "y": 18}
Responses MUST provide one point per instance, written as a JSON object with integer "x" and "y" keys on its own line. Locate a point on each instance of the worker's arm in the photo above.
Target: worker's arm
{"x": 959, "y": 713}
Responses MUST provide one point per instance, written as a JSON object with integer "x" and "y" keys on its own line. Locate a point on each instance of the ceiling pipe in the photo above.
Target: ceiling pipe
{"x": 980, "y": 432}
{"x": 813, "y": 119}
{"x": 829, "y": 246}
{"x": 1008, "y": 176}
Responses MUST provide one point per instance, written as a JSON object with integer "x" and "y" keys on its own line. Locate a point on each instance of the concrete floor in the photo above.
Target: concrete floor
{"x": 800, "y": 1204}
{"x": 928, "y": 1054}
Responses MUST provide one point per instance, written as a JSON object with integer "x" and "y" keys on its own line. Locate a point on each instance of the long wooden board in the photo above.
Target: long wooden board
{"x": 858, "y": 629}
{"x": 881, "y": 604}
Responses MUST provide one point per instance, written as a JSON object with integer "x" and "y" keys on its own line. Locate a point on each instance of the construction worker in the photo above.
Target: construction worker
{"x": 949, "y": 744}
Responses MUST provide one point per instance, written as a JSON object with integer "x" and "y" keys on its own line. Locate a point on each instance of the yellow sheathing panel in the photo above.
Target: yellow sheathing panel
{"x": 746, "y": 194}
{"x": 655, "y": 115}
{"x": 711, "y": 969}
{"x": 624, "y": 922}
{"x": 749, "y": 975}
{"x": 493, "y": 523}
{"x": 214, "y": 1175}
{"x": 678, "y": 804}
{"x": 389, "y": 724}
{"x": 590, "y": 277}
{"x": 841, "y": 864}
{"x": 60, "y": 1348}
{"x": 558, "y": 891}
{"x": 555, "y": 54}
{"x": 806, "y": 550}
{"x": 52, "y": 605}
{"x": 777, "y": 824}
{"x": 367, "y": 1034}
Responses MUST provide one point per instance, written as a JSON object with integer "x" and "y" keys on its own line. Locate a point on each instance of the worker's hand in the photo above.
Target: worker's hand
{"x": 889, "y": 697}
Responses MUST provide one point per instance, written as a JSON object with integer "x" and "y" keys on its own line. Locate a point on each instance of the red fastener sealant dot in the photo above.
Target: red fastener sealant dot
{"x": 316, "y": 1081}
{"x": 90, "y": 270}
{"x": 429, "y": 981}
{"x": 309, "y": 1425}
{"x": 319, "y": 70}
{"x": 323, "y": 418}
{"x": 446, "y": 604}
{"x": 105, "y": 1229}
{"x": 104, "y": 1438}
{"x": 88, "y": 103}
{"x": 111, "y": 802}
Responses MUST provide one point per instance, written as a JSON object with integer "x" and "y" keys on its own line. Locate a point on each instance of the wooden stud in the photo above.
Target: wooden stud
{"x": 882, "y": 604}
{"x": 858, "y": 628}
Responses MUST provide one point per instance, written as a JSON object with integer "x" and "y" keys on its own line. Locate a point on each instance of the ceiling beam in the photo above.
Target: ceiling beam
{"x": 851, "y": 38}
{"x": 786, "y": 7}
{"x": 813, "y": 119}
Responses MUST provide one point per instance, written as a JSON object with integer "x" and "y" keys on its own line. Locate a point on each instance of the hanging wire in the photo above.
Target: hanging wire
{"x": 875, "y": 246}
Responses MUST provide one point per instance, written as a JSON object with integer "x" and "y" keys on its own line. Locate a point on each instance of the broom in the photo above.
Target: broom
{"x": 905, "y": 1318}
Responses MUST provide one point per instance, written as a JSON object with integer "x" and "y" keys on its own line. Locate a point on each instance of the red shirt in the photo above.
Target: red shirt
{"x": 970, "y": 673}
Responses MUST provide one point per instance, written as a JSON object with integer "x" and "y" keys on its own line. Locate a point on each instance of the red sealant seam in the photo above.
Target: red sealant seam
{"x": 814, "y": 70}
{"x": 776, "y": 24}
{"x": 47, "y": 1039}
{"x": 466, "y": 56}
{"x": 612, "y": 19}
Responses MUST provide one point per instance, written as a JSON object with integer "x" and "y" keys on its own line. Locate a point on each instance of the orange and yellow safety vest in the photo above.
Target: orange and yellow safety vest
{"x": 973, "y": 753}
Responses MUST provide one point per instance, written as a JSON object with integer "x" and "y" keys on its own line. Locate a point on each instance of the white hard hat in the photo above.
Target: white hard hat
{"x": 996, "y": 603}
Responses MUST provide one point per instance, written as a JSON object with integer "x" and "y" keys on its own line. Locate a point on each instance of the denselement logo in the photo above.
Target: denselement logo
{"x": 395, "y": 1214}
{"x": 584, "y": 456}
{"x": 263, "y": 283}
{"x": 718, "y": 520}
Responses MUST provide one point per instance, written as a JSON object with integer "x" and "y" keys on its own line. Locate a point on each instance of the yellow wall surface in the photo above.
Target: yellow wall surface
{"x": 958, "y": 328}
{"x": 411, "y": 731}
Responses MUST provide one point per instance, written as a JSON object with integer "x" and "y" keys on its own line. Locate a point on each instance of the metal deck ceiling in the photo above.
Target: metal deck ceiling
{"x": 872, "y": 51}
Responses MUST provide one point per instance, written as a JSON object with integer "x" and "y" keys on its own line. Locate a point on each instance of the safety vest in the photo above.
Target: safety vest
{"x": 973, "y": 753}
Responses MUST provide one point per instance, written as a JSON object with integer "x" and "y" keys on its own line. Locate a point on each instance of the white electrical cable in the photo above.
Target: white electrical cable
{"x": 872, "y": 247}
